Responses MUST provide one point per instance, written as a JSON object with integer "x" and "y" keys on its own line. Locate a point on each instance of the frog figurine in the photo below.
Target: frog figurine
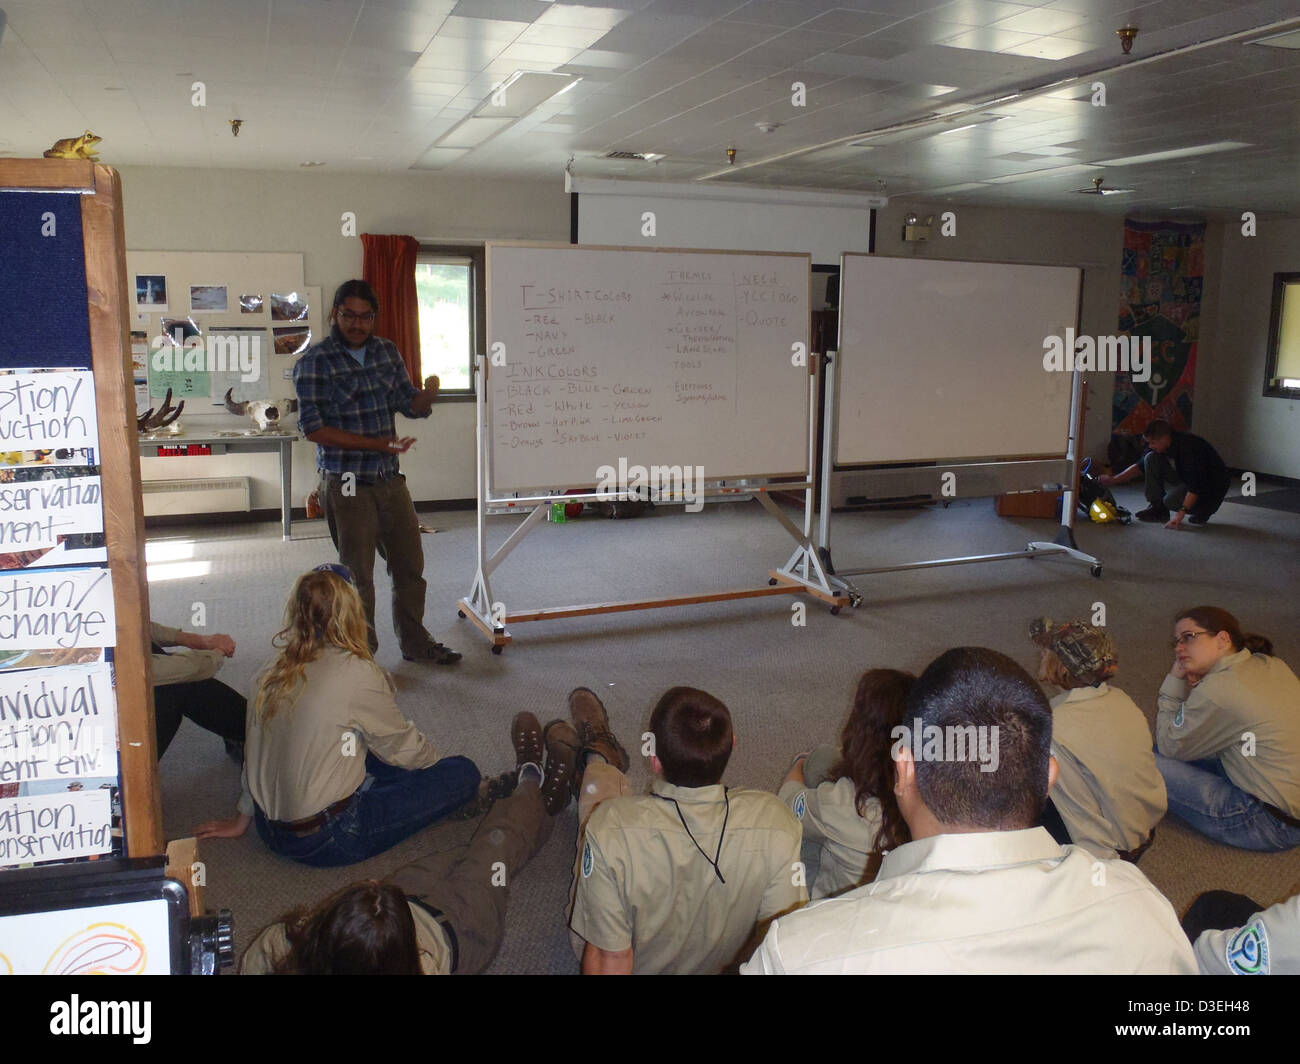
{"x": 82, "y": 147}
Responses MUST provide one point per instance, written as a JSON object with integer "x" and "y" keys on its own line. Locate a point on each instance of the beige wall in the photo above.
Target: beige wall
{"x": 232, "y": 210}
{"x": 1092, "y": 241}
{"x": 1251, "y": 432}
{"x": 223, "y": 210}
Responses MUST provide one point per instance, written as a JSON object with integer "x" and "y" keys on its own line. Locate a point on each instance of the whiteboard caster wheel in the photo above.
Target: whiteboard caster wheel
{"x": 497, "y": 648}
{"x": 460, "y": 614}
{"x": 772, "y": 582}
{"x": 835, "y": 611}
{"x": 1096, "y": 570}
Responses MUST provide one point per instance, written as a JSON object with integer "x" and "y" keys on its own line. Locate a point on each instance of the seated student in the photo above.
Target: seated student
{"x": 674, "y": 881}
{"x": 443, "y": 914}
{"x": 1256, "y": 941}
{"x": 1182, "y": 472}
{"x": 333, "y": 773}
{"x": 183, "y": 686}
{"x": 848, "y": 812}
{"x": 1109, "y": 795}
{"x": 980, "y": 889}
{"x": 1228, "y": 734}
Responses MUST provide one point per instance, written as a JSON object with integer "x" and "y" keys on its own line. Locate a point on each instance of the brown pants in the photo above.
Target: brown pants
{"x": 469, "y": 885}
{"x": 380, "y": 516}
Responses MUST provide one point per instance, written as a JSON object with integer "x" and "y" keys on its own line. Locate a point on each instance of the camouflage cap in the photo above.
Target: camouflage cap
{"x": 1087, "y": 652}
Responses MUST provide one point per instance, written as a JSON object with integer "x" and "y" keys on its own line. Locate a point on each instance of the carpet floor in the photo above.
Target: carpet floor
{"x": 788, "y": 686}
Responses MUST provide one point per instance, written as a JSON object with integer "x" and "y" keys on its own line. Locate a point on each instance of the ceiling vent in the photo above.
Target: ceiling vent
{"x": 638, "y": 156}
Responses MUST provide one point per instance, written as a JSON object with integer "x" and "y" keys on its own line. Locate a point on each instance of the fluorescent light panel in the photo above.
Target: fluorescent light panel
{"x": 1174, "y": 153}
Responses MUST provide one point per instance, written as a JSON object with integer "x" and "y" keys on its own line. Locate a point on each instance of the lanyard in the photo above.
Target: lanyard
{"x": 721, "y": 835}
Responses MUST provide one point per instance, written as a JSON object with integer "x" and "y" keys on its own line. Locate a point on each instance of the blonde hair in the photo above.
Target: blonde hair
{"x": 323, "y": 610}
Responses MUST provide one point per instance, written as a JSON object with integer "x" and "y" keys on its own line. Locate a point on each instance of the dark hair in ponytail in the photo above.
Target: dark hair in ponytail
{"x": 1215, "y": 620}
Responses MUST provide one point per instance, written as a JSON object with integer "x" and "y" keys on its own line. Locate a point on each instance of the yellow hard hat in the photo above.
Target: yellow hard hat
{"x": 1102, "y": 512}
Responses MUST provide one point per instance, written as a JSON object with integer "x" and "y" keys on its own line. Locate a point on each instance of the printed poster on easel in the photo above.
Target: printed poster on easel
{"x": 59, "y": 770}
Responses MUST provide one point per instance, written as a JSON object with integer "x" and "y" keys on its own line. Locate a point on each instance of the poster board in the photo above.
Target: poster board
{"x": 81, "y": 763}
{"x": 651, "y": 357}
{"x": 943, "y": 360}
{"x": 255, "y": 316}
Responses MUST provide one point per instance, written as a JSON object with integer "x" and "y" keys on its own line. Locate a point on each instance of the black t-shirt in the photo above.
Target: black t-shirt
{"x": 1199, "y": 465}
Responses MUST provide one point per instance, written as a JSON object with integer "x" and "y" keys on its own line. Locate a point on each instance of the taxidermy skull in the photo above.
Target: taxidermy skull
{"x": 265, "y": 415}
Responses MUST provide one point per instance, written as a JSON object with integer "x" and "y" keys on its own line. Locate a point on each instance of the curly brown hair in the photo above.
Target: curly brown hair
{"x": 879, "y": 706}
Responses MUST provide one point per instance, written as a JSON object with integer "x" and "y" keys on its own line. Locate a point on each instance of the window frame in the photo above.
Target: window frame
{"x": 478, "y": 306}
{"x": 1280, "y": 283}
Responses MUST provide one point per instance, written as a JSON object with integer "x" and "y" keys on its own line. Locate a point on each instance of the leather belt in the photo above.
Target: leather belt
{"x": 445, "y": 924}
{"x": 311, "y": 824}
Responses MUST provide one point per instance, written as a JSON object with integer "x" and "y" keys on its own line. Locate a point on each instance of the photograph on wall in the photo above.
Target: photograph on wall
{"x": 289, "y": 306}
{"x": 292, "y": 340}
{"x": 150, "y": 291}
{"x": 242, "y": 365}
{"x": 208, "y": 297}
{"x": 250, "y": 304}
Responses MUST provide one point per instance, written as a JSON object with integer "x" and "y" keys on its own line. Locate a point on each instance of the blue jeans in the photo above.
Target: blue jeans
{"x": 393, "y": 804}
{"x": 1200, "y": 794}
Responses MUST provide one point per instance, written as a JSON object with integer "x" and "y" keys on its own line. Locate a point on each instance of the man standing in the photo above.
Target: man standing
{"x": 1184, "y": 473}
{"x": 349, "y": 387}
{"x": 980, "y": 889}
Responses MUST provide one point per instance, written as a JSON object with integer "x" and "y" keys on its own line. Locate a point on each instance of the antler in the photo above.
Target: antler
{"x": 142, "y": 422}
{"x": 161, "y": 418}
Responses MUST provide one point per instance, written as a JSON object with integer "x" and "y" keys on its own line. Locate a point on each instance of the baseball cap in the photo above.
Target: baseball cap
{"x": 1086, "y": 651}
{"x": 338, "y": 569}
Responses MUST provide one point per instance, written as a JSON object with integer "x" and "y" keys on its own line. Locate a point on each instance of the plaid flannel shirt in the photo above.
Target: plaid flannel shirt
{"x": 334, "y": 391}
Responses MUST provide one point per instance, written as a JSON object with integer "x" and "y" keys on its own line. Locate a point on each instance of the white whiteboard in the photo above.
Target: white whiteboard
{"x": 663, "y": 357}
{"x": 944, "y": 360}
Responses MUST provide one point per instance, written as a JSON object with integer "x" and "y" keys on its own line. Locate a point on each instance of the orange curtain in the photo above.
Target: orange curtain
{"x": 389, "y": 268}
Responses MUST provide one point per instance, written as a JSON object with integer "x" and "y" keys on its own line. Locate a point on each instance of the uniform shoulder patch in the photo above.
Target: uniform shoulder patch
{"x": 587, "y": 860}
{"x": 1247, "y": 950}
{"x": 800, "y": 804}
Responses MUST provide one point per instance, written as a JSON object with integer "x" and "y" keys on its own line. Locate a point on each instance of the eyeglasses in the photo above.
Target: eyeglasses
{"x": 348, "y": 318}
{"x": 1185, "y": 638}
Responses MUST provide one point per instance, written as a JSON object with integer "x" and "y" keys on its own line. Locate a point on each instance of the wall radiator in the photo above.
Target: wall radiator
{"x": 209, "y": 495}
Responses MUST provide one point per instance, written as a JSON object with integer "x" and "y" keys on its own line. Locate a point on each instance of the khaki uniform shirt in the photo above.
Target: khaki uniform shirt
{"x": 996, "y": 902}
{"x": 1108, "y": 791}
{"x": 189, "y": 666}
{"x": 1268, "y": 944}
{"x": 643, "y": 883}
{"x": 272, "y": 944}
{"x": 304, "y": 760}
{"x": 1244, "y": 692}
{"x": 829, "y": 815}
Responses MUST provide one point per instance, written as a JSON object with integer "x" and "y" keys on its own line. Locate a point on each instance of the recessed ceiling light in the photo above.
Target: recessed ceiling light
{"x": 114, "y": 88}
{"x": 312, "y": 162}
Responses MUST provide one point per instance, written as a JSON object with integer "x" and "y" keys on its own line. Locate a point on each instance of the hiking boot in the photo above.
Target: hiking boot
{"x": 434, "y": 652}
{"x": 561, "y": 743}
{"x": 526, "y": 737}
{"x": 1152, "y": 514}
{"x": 592, "y": 725}
{"x": 1197, "y": 519}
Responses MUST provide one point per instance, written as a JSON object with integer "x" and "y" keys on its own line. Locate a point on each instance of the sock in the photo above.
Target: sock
{"x": 530, "y": 772}
{"x": 588, "y": 756}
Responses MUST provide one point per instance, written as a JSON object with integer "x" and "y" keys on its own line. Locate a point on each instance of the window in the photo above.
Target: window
{"x": 1282, "y": 368}
{"x": 449, "y": 285}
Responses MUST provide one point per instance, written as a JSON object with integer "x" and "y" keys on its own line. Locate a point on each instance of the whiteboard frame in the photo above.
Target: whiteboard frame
{"x": 539, "y": 492}
{"x": 838, "y": 464}
{"x": 1011, "y": 470}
